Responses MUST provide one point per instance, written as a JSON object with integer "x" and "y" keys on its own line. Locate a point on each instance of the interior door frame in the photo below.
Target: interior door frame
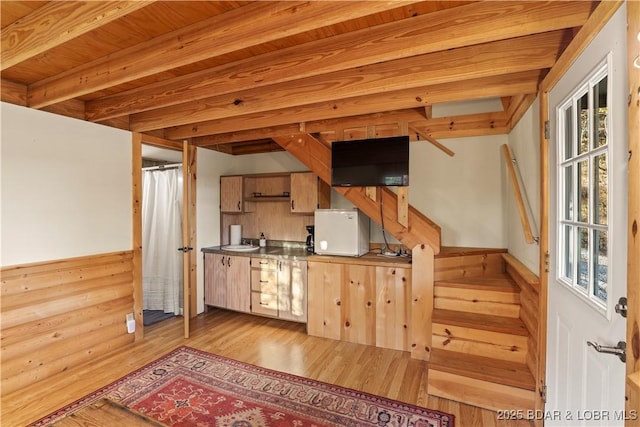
{"x": 189, "y": 225}
{"x": 597, "y": 20}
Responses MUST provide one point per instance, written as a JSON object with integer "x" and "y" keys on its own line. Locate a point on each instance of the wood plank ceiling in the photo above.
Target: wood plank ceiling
{"x": 230, "y": 75}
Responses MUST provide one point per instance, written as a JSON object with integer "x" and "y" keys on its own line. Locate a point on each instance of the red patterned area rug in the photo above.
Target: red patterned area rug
{"x": 189, "y": 387}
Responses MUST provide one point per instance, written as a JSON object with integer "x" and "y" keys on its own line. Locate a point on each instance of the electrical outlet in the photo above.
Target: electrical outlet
{"x": 131, "y": 323}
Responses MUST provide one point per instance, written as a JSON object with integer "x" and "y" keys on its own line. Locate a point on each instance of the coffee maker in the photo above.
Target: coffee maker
{"x": 310, "y": 230}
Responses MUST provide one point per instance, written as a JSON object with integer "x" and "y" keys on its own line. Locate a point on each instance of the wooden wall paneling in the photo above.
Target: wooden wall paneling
{"x": 315, "y": 298}
{"x": 393, "y": 302}
{"x": 30, "y": 337}
{"x": 54, "y": 317}
{"x": 15, "y": 282}
{"x": 422, "y": 275}
{"x": 633, "y": 239}
{"x": 333, "y": 277}
{"x": 468, "y": 265}
{"x": 358, "y": 304}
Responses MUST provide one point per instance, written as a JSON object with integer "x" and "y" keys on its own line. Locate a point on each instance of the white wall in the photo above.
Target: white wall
{"x": 66, "y": 187}
{"x": 463, "y": 194}
{"x": 524, "y": 141}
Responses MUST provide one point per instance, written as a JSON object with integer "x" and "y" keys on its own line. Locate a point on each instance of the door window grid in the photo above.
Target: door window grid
{"x": 583, "y": 184}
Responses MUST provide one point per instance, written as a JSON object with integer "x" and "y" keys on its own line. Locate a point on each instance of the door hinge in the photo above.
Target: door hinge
{"x": 543, "y": 393}
{"x": 546, "y": 129}
{"x": 546, "y": 262}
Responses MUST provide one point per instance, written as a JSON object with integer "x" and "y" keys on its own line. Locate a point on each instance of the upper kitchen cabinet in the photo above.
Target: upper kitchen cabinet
{"x": 231, "y": 194}
{"x": 308, "y": 193}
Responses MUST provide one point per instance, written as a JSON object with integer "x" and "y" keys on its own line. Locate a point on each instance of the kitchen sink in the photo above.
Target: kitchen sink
{"x": 240, "y": 248}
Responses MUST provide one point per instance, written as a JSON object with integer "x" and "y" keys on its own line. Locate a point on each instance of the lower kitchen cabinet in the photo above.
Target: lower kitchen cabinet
{"x": 279, "y": 288}
{"x": 365, "y": 304}
{"x": 227, "y": 282}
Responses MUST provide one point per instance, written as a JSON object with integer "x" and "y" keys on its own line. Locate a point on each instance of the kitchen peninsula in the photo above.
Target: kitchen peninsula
{"x": 356, "y": 299}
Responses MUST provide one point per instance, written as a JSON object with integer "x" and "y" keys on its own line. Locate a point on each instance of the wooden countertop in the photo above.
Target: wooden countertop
{"x": 372, "y": 258}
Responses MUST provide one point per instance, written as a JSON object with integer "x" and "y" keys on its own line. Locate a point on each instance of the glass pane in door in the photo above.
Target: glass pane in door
{"x": 583, "y": 124}
{"x": 583, "y": 258}
{"x": 600, "y": 264}
{"x": 583, "y": 191}
{"x": 600, "y": 113}
{"x": 600, "y": 192}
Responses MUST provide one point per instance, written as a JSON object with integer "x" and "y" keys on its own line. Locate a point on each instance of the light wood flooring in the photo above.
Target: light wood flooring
{"x": 270, "y": 343}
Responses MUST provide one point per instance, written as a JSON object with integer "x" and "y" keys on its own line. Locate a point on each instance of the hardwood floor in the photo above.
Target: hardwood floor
{"x": 270, "y": 343}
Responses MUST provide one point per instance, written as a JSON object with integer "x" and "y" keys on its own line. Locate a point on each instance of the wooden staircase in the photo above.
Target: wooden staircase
{"x": 480, "y": 348}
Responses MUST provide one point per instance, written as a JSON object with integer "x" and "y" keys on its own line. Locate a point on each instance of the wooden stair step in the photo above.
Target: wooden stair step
{"x": 485, "y": 322}
{"x": 482, "y": 368}
{"x": 495, "y": 283}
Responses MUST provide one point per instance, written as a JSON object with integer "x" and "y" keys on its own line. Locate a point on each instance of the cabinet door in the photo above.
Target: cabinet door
{"x": 231, "y": 194}
{"x": 238, "y": 283}
{"x": 215, "y": 277}
{"x": 292, "y": 290}
{"x": 304, "y": 192}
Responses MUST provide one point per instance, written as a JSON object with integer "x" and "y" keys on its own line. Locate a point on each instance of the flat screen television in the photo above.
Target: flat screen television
{"x": 370, "y": 162}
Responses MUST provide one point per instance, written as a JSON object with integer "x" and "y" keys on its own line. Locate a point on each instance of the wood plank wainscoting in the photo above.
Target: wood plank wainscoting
{"x": 59, "y": 314}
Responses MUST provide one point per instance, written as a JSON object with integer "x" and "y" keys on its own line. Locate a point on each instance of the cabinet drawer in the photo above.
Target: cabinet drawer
{"x": 264, "y": 281}
{"x": 264, "y": 303}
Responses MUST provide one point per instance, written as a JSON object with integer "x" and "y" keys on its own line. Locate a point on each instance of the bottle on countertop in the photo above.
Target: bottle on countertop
{"x": 263, "y": 240}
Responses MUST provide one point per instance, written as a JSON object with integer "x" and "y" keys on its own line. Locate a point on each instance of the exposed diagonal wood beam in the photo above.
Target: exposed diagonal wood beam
{"x": 496, "y": 58}
{"x": 469, "y": 24}
{"x": 432, "y": 141}
{"x": 255, "y": 23}
{"x": 58, "y": 22}
{"x": 505, "y": 85}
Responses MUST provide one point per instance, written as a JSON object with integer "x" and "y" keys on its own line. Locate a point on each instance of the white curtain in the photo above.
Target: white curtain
{"x": 161, "y": 238}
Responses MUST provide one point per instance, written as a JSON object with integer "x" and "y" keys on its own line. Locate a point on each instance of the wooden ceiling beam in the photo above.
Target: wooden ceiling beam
{"x": 504, "y": 85}
{"x": 447, "y": 29}
{"x": 249, "y": 25}
{"x": 496, "y": 58}
{"x": 56, "y": 23}
{"x": 448, "y": 127}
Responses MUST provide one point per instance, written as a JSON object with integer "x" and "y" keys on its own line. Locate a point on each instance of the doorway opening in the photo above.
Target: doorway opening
{"x": 162, "y": 263}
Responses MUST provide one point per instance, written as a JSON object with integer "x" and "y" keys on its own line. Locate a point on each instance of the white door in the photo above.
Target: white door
{"x": 587, "y": 226}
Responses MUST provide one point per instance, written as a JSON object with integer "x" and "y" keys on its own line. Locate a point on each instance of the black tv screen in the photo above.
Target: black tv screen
{"x": 370, "y": 162}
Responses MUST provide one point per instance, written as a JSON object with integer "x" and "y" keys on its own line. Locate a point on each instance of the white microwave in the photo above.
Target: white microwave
{"x": 341, "y": 232}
